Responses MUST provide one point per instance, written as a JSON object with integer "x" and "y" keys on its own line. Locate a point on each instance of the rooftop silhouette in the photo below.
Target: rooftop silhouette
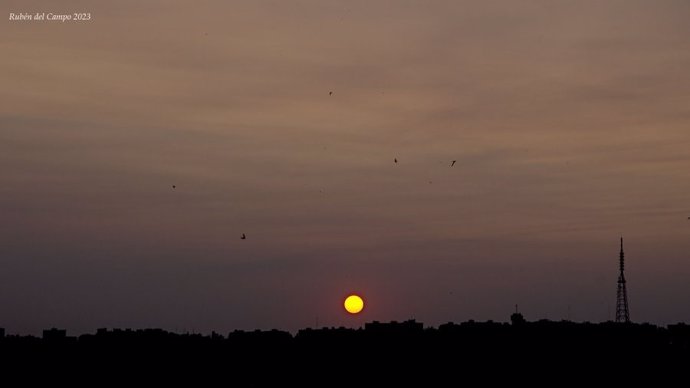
{"x": 387, "y": 350}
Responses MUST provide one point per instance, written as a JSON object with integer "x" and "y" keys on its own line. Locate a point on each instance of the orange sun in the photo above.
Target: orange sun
{"x": 354, "y": 304}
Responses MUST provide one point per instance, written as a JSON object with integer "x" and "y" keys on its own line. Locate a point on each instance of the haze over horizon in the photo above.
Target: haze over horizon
{"x": 569, "y": 122}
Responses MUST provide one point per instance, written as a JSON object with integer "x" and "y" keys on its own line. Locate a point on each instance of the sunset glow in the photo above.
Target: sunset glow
{"x": 354, "y": 304}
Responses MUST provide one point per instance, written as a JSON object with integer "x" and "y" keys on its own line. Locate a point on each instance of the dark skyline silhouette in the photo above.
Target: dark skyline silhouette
{"x": 408, "y": 328}
{"x": 393, "y": 351}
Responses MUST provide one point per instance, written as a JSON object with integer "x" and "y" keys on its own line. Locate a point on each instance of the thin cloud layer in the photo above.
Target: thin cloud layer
{"x": 568, "y": 122}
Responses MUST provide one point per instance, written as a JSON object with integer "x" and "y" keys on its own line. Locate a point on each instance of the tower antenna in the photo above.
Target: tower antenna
{"x": 622, "y": 313}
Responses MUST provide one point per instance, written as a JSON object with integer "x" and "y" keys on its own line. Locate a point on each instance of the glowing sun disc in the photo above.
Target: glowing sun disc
{"x": 353, "y": 304}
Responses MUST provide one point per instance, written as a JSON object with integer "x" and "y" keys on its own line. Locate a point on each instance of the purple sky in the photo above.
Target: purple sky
{"x": 569, "y": 121}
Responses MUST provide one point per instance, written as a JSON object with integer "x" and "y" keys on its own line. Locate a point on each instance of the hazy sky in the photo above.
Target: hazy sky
{"x": 569, "y": 121}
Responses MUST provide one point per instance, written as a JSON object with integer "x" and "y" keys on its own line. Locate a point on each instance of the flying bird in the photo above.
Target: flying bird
{"x": 174, "y": 187}
{"x": 395, "y": 160}
{"x": 453, "y": 164}
{"x": 330, "y": 93}
{"x": 243, "y": 237}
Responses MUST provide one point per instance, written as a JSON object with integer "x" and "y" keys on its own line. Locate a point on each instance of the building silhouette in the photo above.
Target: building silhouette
{"x": 392, "y": 353}
{"x": 54, "y": 334}
{"x": 516, "y": 318}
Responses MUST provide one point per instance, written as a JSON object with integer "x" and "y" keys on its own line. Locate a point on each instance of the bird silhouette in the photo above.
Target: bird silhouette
{"x": 453, "y": 164}
{"x": 174, "y": 187}
{"x": 243, "y": 237}
{"x": 330, "y": 93}
{"x": 395, "y": 160}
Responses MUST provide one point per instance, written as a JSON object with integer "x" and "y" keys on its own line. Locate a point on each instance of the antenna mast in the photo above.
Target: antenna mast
{"x": 622, "y": 313}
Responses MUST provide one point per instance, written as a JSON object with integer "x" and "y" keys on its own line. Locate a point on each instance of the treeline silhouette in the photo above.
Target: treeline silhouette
{"x": 393, "y": 351}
